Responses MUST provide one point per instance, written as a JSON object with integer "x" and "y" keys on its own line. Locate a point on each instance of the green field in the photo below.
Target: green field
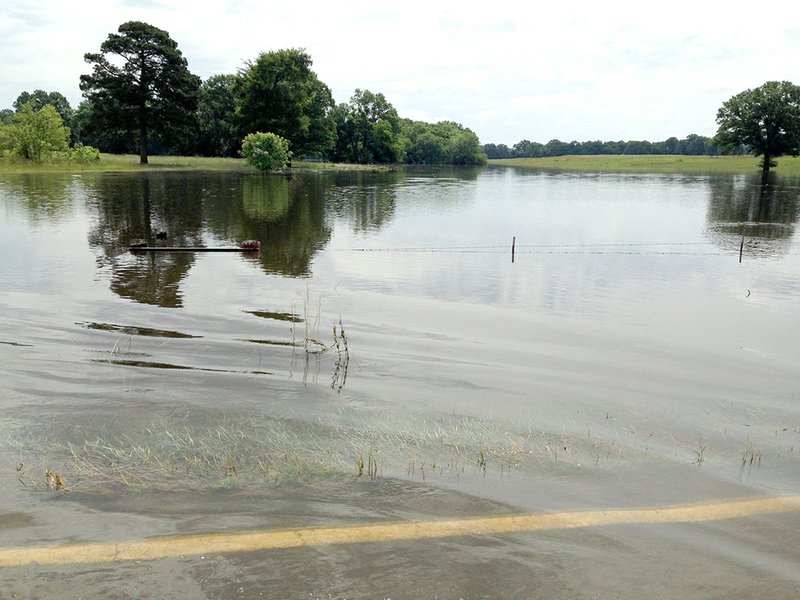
{"x": 130, "y": 162}
{"x": 654, "y": 164}
{"x": 787, "y": 166}
{"x": 123, "y": 162}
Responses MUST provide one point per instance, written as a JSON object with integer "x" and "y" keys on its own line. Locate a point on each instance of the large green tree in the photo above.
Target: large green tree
{"x": 35, "y": 134}
{"x": 40, "y": 98}
{"x": 440, "y": 143}
{"x": 367, "y": 130}
{"x": 216, "y": 125}
{"x": 766, "y": 120}
{"x": 151, "y": 93}
{"x": 278, "y": 92}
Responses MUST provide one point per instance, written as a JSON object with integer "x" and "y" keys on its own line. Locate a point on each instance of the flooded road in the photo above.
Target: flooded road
{"x": 384, "y": 361}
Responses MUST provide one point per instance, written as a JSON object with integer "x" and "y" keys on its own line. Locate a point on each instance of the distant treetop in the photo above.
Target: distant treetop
{"x": 692, "y": 144}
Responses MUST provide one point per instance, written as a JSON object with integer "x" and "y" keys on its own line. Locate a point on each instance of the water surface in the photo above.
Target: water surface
{"x": 626, "y": 356}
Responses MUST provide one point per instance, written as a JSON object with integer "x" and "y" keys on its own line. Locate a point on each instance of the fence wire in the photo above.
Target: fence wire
{"x": 627, "y": 248}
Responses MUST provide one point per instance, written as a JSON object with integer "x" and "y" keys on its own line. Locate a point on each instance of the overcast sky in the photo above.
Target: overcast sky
{"x": 568, "y": 69}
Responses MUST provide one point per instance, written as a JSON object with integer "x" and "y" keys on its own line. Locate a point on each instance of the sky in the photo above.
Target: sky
{"x": 508, "y": 70}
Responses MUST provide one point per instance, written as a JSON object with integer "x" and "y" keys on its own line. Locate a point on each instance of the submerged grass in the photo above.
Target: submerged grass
{"x": 751, "y": 458}
{"x": 175, "y": 453}
{"x": 199, "y": 450}
{"x": 787, "y": 166}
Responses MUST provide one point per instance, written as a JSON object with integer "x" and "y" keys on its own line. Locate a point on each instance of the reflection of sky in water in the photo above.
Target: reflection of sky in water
{"x": 599, "y": 245}
{"x": 47, "y": 265}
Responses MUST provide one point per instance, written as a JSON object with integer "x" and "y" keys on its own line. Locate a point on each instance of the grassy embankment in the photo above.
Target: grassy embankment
{"x": 129, "y": 162}
{"x": 787, "y": 166}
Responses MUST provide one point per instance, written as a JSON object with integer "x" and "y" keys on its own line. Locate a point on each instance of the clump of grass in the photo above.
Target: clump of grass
{"x": 482, "y": 460}
{"x": 340, "y": 340}
{"x": 602, "y": 449}
{"x": 340, "y": 345}
{"x": 699, "y": 453}
{"x": 51, "y": 482}
{"x": 370, "y": 465}
{"x": 313, "y": 346}
{"x": 417, "y": 465}
{"x": 119, "y": 344}
{"x": 751, "y": 458}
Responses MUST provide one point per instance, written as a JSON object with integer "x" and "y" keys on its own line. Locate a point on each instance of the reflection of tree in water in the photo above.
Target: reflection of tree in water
{"x": 764, "y": 214}
{"x": 366, "y": 200}
{"x": 288, "y": 217}
{"x": 46, "y": 197}
{"x": 266, "y": 199}
{"x": 132, "y": 207}
{"x": 152, "y": 278}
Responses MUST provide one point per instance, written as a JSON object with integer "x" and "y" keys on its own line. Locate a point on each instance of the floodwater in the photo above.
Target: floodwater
{"x": 387, "y": 358}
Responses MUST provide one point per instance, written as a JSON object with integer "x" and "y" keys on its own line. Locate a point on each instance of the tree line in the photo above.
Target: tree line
{"x": 692, "y": 145}
{"x": 763, "y": 121}
{"x": 36, "y": 130}
{"x": 140, "y": 97}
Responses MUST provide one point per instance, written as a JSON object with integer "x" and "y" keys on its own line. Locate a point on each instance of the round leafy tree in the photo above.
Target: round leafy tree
{"x": 279, "y": 92}
{"x": 765, "y": 120}
{"x": 266, "y": 151}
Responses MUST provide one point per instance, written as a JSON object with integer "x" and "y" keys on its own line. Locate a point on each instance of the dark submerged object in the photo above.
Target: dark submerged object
{"x": 161, "y": 235}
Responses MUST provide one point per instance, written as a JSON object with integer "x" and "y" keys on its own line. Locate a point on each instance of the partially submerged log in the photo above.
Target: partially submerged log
{"x": 246, "y": 246}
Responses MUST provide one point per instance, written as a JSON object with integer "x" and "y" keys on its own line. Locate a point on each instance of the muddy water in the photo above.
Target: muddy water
{"x": 627, "y": 357}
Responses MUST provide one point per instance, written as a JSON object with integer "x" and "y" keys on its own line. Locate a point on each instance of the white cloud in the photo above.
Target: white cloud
{"x": 508, "y": 70}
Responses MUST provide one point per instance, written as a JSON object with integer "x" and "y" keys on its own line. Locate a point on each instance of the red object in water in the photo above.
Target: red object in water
{"x": 251, "y": 245}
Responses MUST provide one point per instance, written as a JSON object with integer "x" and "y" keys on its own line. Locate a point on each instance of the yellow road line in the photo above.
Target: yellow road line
{"x": 218, "y": 543}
